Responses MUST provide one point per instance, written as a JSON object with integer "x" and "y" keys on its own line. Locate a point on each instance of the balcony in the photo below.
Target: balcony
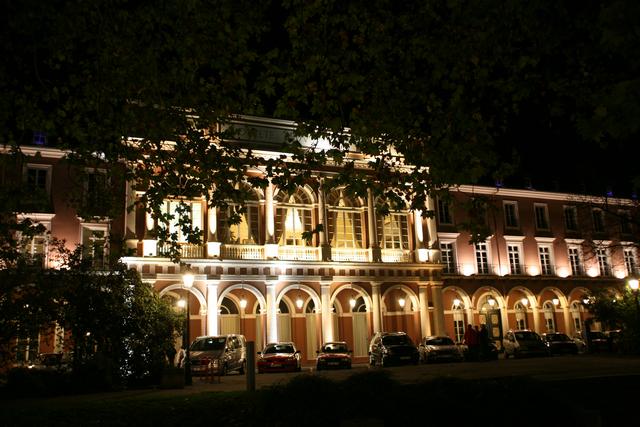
{"x": 299, "y": 253}
{"x": 396, "y": 255}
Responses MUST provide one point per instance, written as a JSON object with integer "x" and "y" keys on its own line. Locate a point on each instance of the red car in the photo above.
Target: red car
{"x": 279, "y": 357}
{"x": 334, "y": 355}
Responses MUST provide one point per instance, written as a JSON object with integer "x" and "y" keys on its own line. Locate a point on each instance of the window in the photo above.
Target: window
{"x": 39, "y": 138}
{"x": 345, "y": 222}
{"x": 603, "y": 262}
{"x": 575, "y": 259}
{"x": 598, "y": 220}
{"x": 625, "y": 221}
{"x": 511, "y": 214}
{"x": 94, "y": 243}
{"x": 546, "y": 267}
{"x": 190, "y": 210}
{"x": 521, "y": 315}
{"x": 444, "y": 213}
{"x": 447, "y": 257}
{"x": 513, "y": 251}
{"x": 549, "y": 319}
{"x": 542, "y": 216}
{"x": 36, "y": 245}
{"x": 571, "y": 218}
{"x": 27, "y": 344}
{"x": 393, "y": 231}
{"x": 482, "y": 258}
{"x": 293, "y": 217}
{"x": 458, "y": 322}
{"x": 630, "y": 261}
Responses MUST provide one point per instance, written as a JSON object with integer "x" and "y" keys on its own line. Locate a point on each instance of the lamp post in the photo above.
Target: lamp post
{"x": 187, "y": 283}
{"x": 634, "y": 284}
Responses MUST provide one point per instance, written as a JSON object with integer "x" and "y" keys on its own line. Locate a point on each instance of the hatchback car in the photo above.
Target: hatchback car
{"x": 559, "y": 343}
{"x": 334, "y": 355}
{"x": 218, "y": 355}
{"x": 393, "y": 348}
{"x": 522, "y": 343}
{"x": 439, "y": 349}
{"x": 279, "y": 357}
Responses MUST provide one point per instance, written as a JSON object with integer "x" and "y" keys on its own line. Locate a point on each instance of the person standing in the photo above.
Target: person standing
{"x": 483, "y": 342}
{"x": 471, "y": 341}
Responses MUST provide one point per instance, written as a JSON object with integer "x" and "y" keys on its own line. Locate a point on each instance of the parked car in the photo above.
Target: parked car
{"x": 393, "y": 348}
{"x": 334, "y": 355}
{"x": 615, "y": 339}
{"x": 53, "y": 361}
{"x": 580, "y": 342}
{"x": 440, "y": 349}
{"x": 218, "y": 355}
{"x": 522, "y": 343}
{"x": 279, "y": 357}
{"x": 559, "y": 343}
{"x": 597, "y": 341}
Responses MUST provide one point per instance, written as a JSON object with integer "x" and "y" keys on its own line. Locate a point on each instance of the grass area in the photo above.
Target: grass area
{"x": 368, "y": 398}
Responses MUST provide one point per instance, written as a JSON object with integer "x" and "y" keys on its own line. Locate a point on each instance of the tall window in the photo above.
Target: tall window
{"x": 293, "y": 217}
{"x": 603, "y": 262}
{"x": 511, "y": 214}
{"x": 549, "y": 319}
{"x": 393, "y": 231}
{"x": 95, "y": 193}
{"x": 542, "y": 216}
{"x": 458, "y": 322}
{"x": 94, "y": 243}
{"x": 571, "y": 218}
{"x": 444, "y": 213}
{"x": 482, "y": 258}
{"x": 625, "y": 221}
{"x": 544, "y": 253}
{"x": 598, "y": 220}
{"x": 188, "y": 209}
{"x": 630, "y": 261}
{"x": 447, "y": 257}
{"x": 575, "y": 260}
{"x": 513, "y": 251}
{"x": 345, "y": 224}
{"x": 37, "y": 178}
{"x": 27, "y": 344}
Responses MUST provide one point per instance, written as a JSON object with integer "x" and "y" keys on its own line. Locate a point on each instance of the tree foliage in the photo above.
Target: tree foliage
{"x": 618, "y": 310}
{"x": 443, "y": 86}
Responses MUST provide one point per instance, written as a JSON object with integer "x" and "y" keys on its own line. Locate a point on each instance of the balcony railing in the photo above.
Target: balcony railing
{"x": 350, "y": 254}
{"x": 300, "y": 253}
{"x": 187, "y": 250}
{"x": 396, "y": 255}
{"x": 242, "y": 252}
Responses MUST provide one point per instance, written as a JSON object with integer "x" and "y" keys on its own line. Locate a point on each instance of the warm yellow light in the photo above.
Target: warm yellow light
{"x": 182, "y": 303}
{"x": 243, "y": 303}
{"x": 467, "y": 270}
{"x": 491, "y": 301}
{"x": 456, "y": 302}
{"x": 187, "y": 280}
{"x": 633, "y": 284}
{"x": 563, "y": 272}
{"x": 534, "y": 270}
{"x": 299, "y": 303}
{"x": 555, "y": 301}
{"x": 352, "y": 302}
{"x": 524, "y": 302}
{"x": 402, "y": 302}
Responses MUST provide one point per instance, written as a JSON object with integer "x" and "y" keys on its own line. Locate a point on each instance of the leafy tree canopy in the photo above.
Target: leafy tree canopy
{"x": 448, "y": 85}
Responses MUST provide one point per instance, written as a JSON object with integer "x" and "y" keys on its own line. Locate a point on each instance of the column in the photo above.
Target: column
{"x": 375, "y": 301}
{"x": 434, "y": 250}
{"x": 425, "y": 322}
{"x": 327, "y": 321}
{"x": 536, "y": 318}
{"x": 325, "y": 248}
{"x": 150, "y": 243}
{"x": 438, "y": 310}
{"x": 374, "y": 247}
{"x": 271, "y": 246}
{"x": 212, "y": 307}
{"x": 569, "y": 328}
{"x": 213, "y": 246}
{"x": 421, "y": 252}
{"x": 272, "y": 312}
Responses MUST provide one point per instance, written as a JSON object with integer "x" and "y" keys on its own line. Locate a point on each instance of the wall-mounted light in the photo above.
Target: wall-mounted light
{"x": 524, "y": 301}
{"x": 491, "y": 300}
{"x": 352, "y": 303}
{"x": 555, "y": 301}
{"x": 456, "y": 302}
{"x": 299, "y": 302}
{"x": 243, "y": 303}
{"x": 402, "y": 302}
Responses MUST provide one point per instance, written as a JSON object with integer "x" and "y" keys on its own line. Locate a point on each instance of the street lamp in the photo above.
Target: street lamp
{"x": 187, "y": 283}
{"x": 634, "y": 284}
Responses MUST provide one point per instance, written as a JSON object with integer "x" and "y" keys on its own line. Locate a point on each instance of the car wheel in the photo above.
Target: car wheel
{"x": 242, "y": 368}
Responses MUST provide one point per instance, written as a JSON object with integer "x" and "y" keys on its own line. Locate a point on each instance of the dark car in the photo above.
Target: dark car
{"x": 559, "y": 343}
{"x": 334, "y": 355}
{"x": 597, "y": 341}
{"x": 393, "y": 348}
{"x": 439, "y": 349}
{"x": 279, "y": 357}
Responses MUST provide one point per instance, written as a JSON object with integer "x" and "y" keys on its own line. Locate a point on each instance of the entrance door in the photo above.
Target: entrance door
{"x": 493, "y": 320}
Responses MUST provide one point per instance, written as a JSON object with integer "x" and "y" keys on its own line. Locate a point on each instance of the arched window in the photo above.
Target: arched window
{"x": 361, "y": 306}
{"x": 458, "y": 321}
{"x": 311, "y": 307}
{"x": 293, "y": 217}
{"x": 283, "y": 308}
{"x": 521, "y": 316}
{"x": 246, "y": 232}
{"x": 344, "y": 222}
{"x": 228, "y": 307}
{"x": 575, "y": 315}
{"x": 549, "y": 318}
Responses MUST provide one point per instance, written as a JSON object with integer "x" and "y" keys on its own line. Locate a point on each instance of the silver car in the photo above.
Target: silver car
{"x": 440, "y": 349}
{"x": 218, "y": 355}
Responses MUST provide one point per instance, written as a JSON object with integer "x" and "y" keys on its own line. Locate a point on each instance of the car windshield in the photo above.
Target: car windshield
{"x": 209, "y": 344}
{"x": 526, "y": 336}
{"x": 396, "y": 340}
{"x": 439, "y": 341}
{"x": 278, "y": 348}
{"x": 558, "y": 337}
{"x": 334, "y": 348}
